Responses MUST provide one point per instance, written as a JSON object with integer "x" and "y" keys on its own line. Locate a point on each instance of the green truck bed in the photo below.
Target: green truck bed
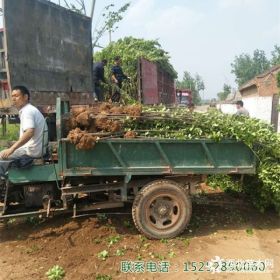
{"x": 117, "y": 157}
{"x": 157, "y": 156}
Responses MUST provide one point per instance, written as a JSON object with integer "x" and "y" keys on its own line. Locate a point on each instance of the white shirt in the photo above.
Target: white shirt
{"x": 31, "y": 117}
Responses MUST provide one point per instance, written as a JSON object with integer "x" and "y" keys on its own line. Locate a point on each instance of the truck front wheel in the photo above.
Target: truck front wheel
{"x": 161, "y": 209}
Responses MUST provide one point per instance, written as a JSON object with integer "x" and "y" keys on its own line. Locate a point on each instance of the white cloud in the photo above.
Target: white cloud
{"x": 172, "y": 21}
{"x": 139, "y": 11}
{"x": 156, "y": 21}
{"x": 243, "y": 4}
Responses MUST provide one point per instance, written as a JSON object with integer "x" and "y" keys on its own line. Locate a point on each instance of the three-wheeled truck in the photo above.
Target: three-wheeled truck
{"x": 158, "y": 176}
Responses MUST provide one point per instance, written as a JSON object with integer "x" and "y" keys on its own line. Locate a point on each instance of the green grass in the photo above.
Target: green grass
{"x": 12, "y": 132}
{"x": 103, "y": 277}
{"x": 103, "y": 255}
{"x": 249, "y": 231}
{"x": 55, "y": 273}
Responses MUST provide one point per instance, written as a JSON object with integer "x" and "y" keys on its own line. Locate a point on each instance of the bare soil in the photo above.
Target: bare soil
{"x": 28, "y": 251}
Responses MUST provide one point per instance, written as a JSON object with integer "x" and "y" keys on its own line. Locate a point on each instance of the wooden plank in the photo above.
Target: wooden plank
{"x": 274, "y": 111}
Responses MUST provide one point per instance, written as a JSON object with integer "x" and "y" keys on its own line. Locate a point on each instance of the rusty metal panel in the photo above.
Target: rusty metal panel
{"x": 48, "y": 49}
{"x": 166, "y": 87}
{"x": 157, "y": 86}
{"x": 148, "y": 81}
{"x": 5, "y": 98}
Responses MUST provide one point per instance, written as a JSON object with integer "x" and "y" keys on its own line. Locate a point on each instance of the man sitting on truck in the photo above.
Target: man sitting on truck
{"x": 33, "y": 132}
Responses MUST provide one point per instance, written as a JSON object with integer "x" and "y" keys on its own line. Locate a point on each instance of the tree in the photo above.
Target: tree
{"x": 224, "y": 94}
{"x": 246, "y": 67}
{"x": 130, "y": 50}
{"x": 199, "y": 85}
{"x": 199, "y": 82}
{"x": 260, "y": 62}
{"x": 195, "y": 84}
{"x": 275, "y": 60}
{"x": 242, "y": 68}
{"x": 111, "y": 18}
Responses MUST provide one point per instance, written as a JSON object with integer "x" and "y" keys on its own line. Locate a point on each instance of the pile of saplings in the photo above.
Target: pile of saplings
{"x": 262, "y": 188}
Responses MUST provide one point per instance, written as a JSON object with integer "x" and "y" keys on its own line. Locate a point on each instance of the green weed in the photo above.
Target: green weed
{"x": 55, "y": 273}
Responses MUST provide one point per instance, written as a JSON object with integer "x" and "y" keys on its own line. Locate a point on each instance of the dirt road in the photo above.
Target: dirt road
{"x": 29, "y": 249}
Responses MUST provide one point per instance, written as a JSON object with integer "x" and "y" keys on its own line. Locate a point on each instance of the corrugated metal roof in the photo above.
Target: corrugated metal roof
{"x": 270, "y": 71}
{"x": 254, "y": 81}
{"x": 248, "y": 84}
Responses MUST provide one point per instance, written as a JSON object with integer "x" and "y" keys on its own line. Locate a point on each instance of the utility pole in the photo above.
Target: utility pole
{"x": 91, "y": 16}
{"x": 110, "y": 36}
{"x": 92, "y": 9}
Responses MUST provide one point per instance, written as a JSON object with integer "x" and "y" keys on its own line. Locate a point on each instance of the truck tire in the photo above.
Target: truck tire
{"x": 161, "y": 209}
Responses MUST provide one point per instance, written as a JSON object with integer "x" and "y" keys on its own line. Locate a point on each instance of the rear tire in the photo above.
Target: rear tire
{"x": 162, "y": 209}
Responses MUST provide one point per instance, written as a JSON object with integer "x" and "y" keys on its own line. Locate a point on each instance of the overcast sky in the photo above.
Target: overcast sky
{"x": 201, "y": 36}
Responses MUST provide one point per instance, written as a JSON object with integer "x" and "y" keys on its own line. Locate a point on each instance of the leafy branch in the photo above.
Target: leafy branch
{"x": 111, "y": 18}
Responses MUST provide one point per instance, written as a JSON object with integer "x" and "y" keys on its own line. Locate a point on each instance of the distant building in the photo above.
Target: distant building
{"x": 261, "y": 97}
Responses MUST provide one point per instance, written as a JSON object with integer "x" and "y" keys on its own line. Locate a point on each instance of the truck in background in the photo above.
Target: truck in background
{"x": 184, "y": 97}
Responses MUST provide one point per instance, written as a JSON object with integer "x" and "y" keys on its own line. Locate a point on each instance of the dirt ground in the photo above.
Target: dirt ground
{"x": 29, "y": 249}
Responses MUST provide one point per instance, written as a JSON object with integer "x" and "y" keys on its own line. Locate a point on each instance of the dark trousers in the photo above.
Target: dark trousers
{"x": 20, "y": 162}
{"x": 116, "y": 93}
{"x": 99, "y": 92}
